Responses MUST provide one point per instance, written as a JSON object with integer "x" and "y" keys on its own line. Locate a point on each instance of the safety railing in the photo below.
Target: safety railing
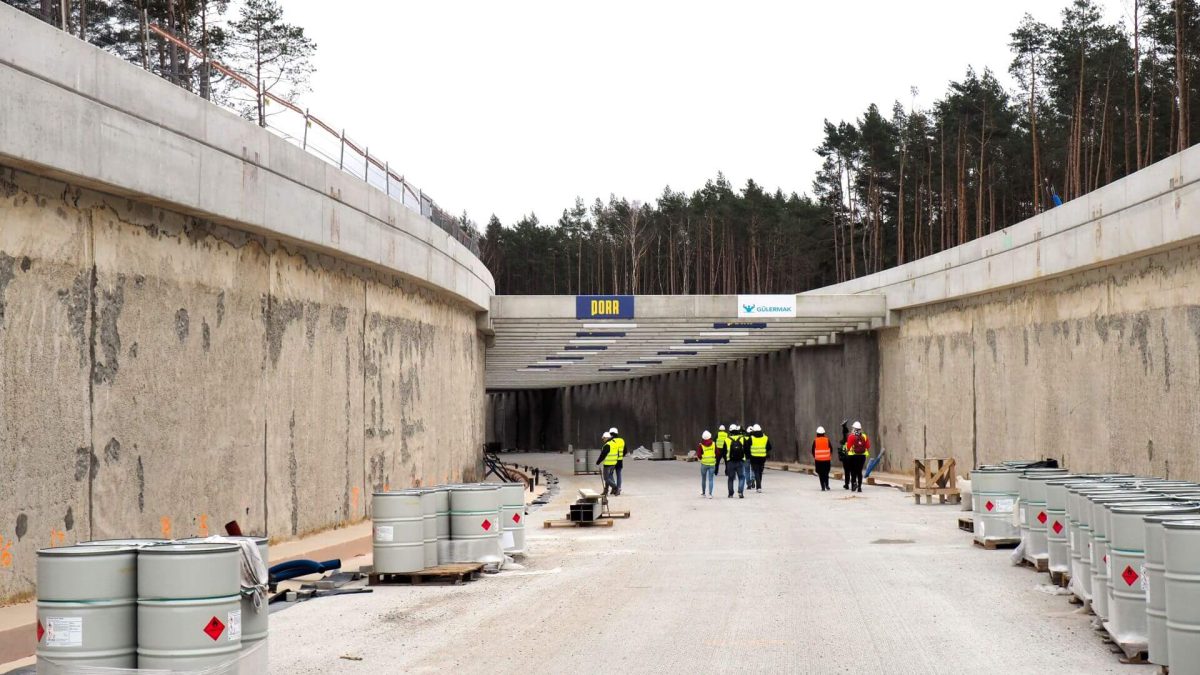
{"x": 317, "y": 137}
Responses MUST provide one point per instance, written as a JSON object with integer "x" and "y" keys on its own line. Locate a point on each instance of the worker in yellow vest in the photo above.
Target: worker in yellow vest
{"x": 858, "y": 450}
{"x": 608, "y": 463}
{"x": 760, "y": 448}
{"x": 706, "y": 452}
{"x": 722, "y": 441}
{"x": 620, "y": 446}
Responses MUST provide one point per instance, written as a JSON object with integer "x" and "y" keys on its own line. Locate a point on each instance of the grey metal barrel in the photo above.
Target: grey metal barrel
{"x": 1082, "y": 547}
{"x": 593, "y": 456}
{"x": 1156, "y": 595}
{"x": 86, "y": 606}
{"x": 1101, "y": 586}
{"x": 135, "y": 542}
{"x": 1058, "y": 552}
{"x": 442, "y": 499}
{"x": 398, "y": 539}
{"x": 657, "y": 450}
{"x": 1181, "y": 553}
{"x": 474, "y": 512}
{"x": 429, "y": 523}
{"x": 189, "y": 606}
{"x": 1034, "y": 518}
{"x": 994, "y": 495}
{"x": 581, "y": 461}
{"x": 512, "y": 515}
{"x": 1128, "y": 577}
{"x": 256, "y": 621}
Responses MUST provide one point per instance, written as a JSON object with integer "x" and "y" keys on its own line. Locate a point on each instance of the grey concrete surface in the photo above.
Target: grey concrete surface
{"x": 792, "y": 580}
{"x": 162, "y": 374}
{"x": 75, "y": 112}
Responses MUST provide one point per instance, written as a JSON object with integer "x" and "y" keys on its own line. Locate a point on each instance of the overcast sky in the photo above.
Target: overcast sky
{"x": 517, "y": 107}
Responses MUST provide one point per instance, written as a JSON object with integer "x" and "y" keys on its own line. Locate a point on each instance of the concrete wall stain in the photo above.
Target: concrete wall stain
{"x": 205, "y": 334}
{"x": 112, "y": 451}
{"x": 86, "y": 465}
{"x": 141, "y": 485}
{"x": 77, "y": 300}
{"x": 182, "y": 324}
{"x": 6, "y": 276}
{"x": 220, "y": 308}
{"x": 277, "y": 315}
{"x": 111, "y": 302}
{"x": 22, "y": 526}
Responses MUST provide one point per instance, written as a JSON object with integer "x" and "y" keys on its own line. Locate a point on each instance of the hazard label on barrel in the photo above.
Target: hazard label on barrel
{"x": 486, "y": 525}
{"x": 1058, "y": 528}
{"x": 41, "y": 631}
{"x": 1042, "y": 517}
{"x": 214, "y": 628}
{"x": 1130, "y": 576}
{"x": 516, "y": 517}
{"x": 989, "y": 506}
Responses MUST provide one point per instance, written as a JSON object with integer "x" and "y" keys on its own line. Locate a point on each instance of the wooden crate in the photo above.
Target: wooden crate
{"x": 934, "y": 476}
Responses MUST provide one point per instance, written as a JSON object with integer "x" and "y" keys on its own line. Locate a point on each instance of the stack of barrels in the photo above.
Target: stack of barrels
{"x": 1128, "y": 545}
{"x": 413, "y": 527}
{"x": 145, "y": 603}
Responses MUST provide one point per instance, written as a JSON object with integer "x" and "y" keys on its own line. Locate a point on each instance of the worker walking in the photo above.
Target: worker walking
{"x": 735, "y": 463}
{"x": 722, "y": 441}
{"x": 858, "y": 449}
{"x": 844, "y": 457}
{"x": 706, "y": 452}
{"x": 822, "y": 453}
{"x": 760, "y": 448}
{"x": 619, "y": 444}
{"x": 736, "y": 435}
{"x": 608, "y": 464}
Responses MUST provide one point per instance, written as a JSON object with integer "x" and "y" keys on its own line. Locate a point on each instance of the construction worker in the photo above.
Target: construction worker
{"x": 858, "y": 449}
{"x": 760, "y": 447}
{"x": 608, "y": 464}
{"x": 822, "y": 453}
{"x": 735, "y": 463}
{"x": 736, "y": 435}
{"x": 619, "y": 443}
{"x": 843, "y": 457}
{"x": 706, "y": 452}
{"x": 722, "y": 441}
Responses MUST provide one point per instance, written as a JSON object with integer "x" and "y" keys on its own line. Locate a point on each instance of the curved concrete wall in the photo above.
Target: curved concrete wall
{"x": 204, "y": 333}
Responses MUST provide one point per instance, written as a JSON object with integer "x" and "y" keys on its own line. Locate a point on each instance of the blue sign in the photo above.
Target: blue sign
{"x": 604, "y": 306}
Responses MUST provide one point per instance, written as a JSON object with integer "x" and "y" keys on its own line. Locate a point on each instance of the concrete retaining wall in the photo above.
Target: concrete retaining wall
{"x": 162, "y": 375}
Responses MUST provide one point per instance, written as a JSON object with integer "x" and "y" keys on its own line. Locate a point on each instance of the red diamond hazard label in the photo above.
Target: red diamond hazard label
{"x": 1129, "y": 576}
{"x": 989, "y": 506}
{"x": 486, "y": 525}
{"x": 1105, "y": 558}
{"x": 41, "y": 631}
{"x": 1058, "y": 528}
{"x": 214, "y": 628}
{"x": 1042, "y": 517}
{"x": 516, "y": 517}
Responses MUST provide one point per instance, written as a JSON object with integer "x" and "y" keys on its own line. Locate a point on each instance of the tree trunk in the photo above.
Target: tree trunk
{"x": 1137, "y": 83}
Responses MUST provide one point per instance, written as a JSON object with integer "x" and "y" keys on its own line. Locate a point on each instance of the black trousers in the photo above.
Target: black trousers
{"x": 757, "y": 464}
{"x": 856, "y": 465}
{"x": 823, "y": 473}
{"x": 847, "y": 462}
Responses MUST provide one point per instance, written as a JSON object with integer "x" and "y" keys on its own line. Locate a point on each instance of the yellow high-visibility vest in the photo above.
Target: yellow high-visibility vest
{"x": 708, "y": 454}
{"x": 611, "y": 458}
{"x": 758, "y": 446}
{"x": 619, "y": 444}
{"x": 723, "y": 441}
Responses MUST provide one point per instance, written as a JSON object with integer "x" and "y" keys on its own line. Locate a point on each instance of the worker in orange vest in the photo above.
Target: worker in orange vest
{"x": 822, "y": 453}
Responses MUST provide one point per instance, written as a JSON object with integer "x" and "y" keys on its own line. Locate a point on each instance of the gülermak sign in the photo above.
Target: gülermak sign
{"x": 766, "y": 305}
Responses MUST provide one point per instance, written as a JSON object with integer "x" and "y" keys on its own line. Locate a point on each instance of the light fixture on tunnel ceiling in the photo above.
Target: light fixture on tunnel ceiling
{"x": 592, "y": 341}
{"x": 600, "y": 334}
{"x": 643, "y": 360}
{"x": 687, "y": 353}
{"x": 612, "y": 370}
{"x": 705, "y": 341}
{"x": 603, "y": 326}
{"x": 564, "y": 357}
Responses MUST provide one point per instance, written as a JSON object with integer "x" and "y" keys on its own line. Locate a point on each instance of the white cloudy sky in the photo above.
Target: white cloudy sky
{"x": 517, "y": 107}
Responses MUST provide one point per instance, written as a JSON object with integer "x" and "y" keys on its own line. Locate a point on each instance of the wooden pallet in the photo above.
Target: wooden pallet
{"x": 450, "y": 574}
{"x": 1133, "y": 653}
{"x": 607, "y": 515}
{"x": 966, "y": 523}
{"x": 1038, "y": 565}
{"x": 602, "y": 522}
{"x": 1062, "y": 579}
{"x": 993, "y": 544}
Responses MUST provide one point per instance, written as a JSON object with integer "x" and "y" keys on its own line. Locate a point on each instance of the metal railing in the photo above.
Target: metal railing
{"x": 313, "y": 135}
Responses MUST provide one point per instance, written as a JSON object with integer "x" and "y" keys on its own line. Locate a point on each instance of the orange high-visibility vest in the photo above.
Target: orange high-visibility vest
{"x": 822, "y": 449}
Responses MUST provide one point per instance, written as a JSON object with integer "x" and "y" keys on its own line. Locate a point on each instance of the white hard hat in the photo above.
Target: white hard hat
{"x": 706, "y": 436}
{"x": 734, "y": 427}
{"x": 613, "y": 431}
{"x": 856, "y": 426}
{"x": 606, "y": 436}
{"x": 721, "y": 428}
{"x": 755, "y": 427}
{"x": 820, "y": 430}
